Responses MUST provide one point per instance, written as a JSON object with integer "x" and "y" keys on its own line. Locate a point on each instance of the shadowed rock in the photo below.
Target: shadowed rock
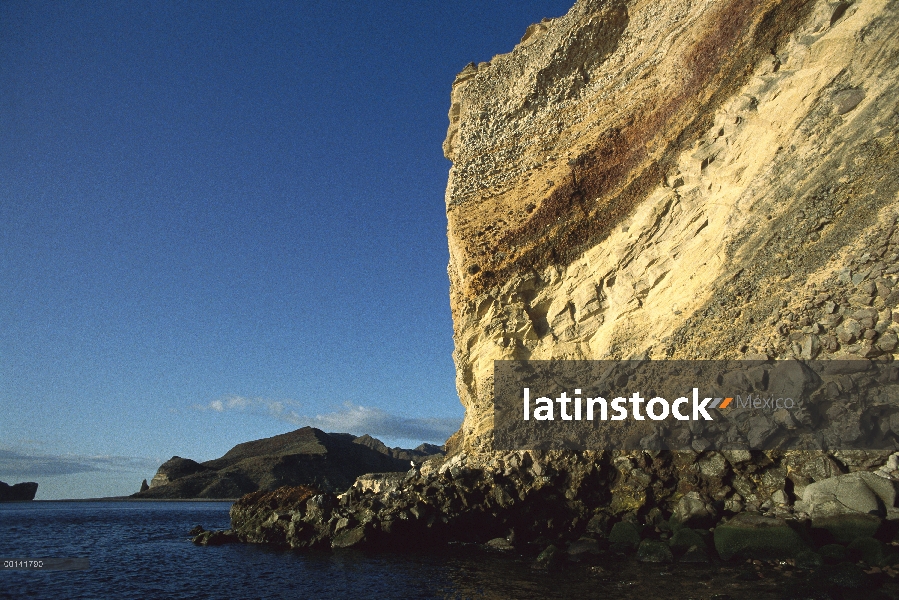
{"x": 17, "y": 493}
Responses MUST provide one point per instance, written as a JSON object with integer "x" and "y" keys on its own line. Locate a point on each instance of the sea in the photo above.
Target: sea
{"x": 142, "y": 550}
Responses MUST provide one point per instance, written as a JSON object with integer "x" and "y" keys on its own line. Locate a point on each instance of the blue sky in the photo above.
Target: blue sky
{"x": 220, "y": 221}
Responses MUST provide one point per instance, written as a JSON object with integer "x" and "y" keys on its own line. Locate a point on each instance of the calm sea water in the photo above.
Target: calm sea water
{"x": 141, "y": 550}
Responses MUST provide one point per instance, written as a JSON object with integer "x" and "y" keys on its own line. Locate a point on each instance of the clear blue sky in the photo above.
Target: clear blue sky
{"x": 220, "y": 221}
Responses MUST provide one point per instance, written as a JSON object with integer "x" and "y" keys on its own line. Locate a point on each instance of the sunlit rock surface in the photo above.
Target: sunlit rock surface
{"x": 677, "y": 180}
{"x": 663, "y": 179}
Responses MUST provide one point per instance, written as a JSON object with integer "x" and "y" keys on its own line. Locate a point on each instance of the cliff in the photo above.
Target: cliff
{"x": 663, "y": 180}
{"x": 674, "y": 180}
{"x": 307, "y": 456}
{"x": 20, "y": 492}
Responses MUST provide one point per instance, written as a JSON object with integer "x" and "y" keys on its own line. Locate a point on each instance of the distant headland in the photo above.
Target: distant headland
{"x": 306, "y": 456}
{"x": 20, "y": 492}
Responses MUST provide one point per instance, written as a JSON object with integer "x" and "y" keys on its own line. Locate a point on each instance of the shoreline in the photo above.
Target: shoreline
{"x": 127, "y": 499}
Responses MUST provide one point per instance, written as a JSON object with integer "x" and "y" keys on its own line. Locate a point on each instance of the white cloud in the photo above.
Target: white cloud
{"x": 358, "y": 420}
{"x": 352, "y": 418}
{"x": 18, "y": 463}
{"x": 239, "y": 403}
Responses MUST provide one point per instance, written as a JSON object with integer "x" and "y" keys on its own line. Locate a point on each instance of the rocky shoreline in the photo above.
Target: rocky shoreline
{"x": 589, "y": 511}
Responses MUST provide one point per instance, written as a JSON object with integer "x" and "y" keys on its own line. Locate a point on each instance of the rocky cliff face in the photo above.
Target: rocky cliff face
{"x": 675, "y": 180}
{"x": 665, "y": 179}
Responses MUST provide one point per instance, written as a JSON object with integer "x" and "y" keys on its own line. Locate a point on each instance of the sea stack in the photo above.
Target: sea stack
{"x": 20, "y": 492}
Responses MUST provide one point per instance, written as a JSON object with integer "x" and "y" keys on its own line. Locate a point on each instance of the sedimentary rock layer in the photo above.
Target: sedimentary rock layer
{"x": 674, "y": 180}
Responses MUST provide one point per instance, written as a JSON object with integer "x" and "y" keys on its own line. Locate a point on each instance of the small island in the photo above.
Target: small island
{"x": 20, "y": 492}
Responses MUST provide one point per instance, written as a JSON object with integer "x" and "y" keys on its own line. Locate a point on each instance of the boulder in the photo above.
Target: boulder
{"x": 695, "y": 554}
{"x": 808, "y": 559}
{"x": 654, "y": 551}
{"x": 860, "y": 492}
{"x": 845, "y": 528}
{"x": 599, "y": 525}
{"x": 749, "y": 535}
{"x": 216, "y": 538}
{"x": 499, "y": 544}
{"x": 833, "y": 553}
{"x": 791, "y": 379}
{"x": 692, "y": 511}
{"x": 548, "y": 559}
{"x": 685, "y": 538}
{"x": 868, "y": 550}
{"x": 583, "y": 548}
{"x": 349, "y": 538}
{"x": 843, "y": 575}
{"x": 624, "y": 534}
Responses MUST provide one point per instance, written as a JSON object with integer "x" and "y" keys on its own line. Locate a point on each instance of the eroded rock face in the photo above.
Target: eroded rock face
{"x": 675, "y": 180}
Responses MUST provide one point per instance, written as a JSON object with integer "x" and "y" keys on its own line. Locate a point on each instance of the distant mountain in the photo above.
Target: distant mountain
{"x": 417, "y": 454}
{"x": 307, "y": 456}
{"x": 18, "y": 492}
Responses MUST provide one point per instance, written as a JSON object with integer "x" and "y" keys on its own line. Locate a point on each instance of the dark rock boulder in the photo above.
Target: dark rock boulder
{"x": 684, "y": 539}
{"x": 833, "y": 553}
{"x": 266, "y": 517}
{"x": 143, "y": 486}
{"x": 845, "y": 528}
{"x": 808, "y": 559}
{"x": 548, "y": 560}
{"x": 624, "y": 535}
{"x": 582, "y": 548}
{"x": 654, "y": 551}
{"x": 215, "y": 538}
{"x": 750, "y": 535}
{"x": 843, "y": 575}
{"x": 349, "y": 538}
{"x": 695, "y": 554}
{"x": 867, "y": 550}
{"x": 499, "y": 545}
{"x": 20, "y": 492}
